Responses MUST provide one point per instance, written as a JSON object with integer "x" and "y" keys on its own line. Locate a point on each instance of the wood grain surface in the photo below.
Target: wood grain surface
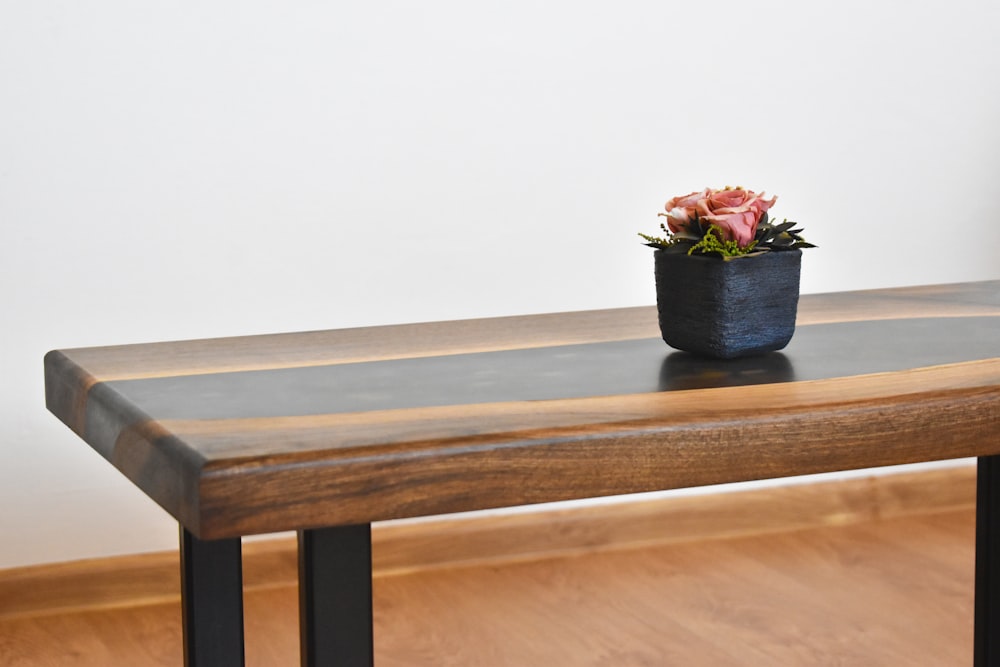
{"x": 269, "y": 433}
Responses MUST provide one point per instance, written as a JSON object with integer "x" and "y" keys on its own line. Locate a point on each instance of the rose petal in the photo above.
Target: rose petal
{"x": 737, "y": 226}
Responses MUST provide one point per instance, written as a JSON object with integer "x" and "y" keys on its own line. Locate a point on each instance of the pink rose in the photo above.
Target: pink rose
{"x": 681, "y": 211}
{"x": 735, "y": 211}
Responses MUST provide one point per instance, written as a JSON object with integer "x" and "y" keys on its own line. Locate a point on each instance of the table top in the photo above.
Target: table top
{"x": 260, "y": 434}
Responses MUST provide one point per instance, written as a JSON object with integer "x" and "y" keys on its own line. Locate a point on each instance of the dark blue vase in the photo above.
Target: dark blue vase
{"x": 726, "y": 309}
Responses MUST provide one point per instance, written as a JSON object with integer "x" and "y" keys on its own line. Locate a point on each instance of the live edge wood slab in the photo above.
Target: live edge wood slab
{"x": 296, "y": 431}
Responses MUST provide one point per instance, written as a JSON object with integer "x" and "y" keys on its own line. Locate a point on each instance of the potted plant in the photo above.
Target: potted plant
{"x": 727, "y": 279}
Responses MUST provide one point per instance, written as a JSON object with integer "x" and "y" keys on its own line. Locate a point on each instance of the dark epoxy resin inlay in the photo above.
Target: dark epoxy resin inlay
{"x": 569, "y": 371}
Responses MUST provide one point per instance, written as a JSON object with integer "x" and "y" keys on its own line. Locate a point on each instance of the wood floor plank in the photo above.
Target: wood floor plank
{"x": 891, "y": 592}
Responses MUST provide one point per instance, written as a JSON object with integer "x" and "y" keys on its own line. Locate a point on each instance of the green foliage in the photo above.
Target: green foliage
{"x": 779, "y": 237}
{"x": 671, "y": 242}
{"x": 696, "y": 240}
{"x": 714, "y": 243}
{"x": 656, "y": 241}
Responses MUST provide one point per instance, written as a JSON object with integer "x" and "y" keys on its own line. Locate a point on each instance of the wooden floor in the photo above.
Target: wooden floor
{"x": 893, "y": 592}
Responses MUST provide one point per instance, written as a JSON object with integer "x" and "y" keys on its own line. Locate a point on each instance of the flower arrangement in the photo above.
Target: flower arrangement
{"x": 731, "y": 222}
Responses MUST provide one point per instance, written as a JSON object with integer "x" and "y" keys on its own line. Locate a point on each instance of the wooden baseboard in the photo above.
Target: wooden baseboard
{"x": 479, "y": 538}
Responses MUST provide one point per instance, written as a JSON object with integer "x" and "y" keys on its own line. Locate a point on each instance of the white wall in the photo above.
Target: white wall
{"x": 180, "y": 169}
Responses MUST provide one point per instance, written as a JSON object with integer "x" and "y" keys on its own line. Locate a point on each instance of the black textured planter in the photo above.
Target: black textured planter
{"x": 727, "y": 308}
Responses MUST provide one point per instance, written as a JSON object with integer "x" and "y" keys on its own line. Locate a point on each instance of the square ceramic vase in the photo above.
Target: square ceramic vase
{"x": 727, "y": 308}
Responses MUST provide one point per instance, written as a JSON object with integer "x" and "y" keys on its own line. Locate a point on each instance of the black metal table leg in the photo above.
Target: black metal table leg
{"x": 335, "y": 597}
{"x": 987, "y": 632}
{"x": 212, "y": 601}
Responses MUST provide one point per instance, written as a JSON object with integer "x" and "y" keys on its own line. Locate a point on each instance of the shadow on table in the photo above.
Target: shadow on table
{"x": 683, "y": 370}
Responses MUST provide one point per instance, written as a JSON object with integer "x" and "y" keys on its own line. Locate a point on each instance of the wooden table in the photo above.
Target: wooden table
{"x": 326, "y": 432}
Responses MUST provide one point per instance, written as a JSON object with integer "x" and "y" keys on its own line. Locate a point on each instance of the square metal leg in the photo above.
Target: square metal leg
{"x": 987, "y": 632}
{"x": 335, "y": 597}
{"x": 212, "y": 601}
